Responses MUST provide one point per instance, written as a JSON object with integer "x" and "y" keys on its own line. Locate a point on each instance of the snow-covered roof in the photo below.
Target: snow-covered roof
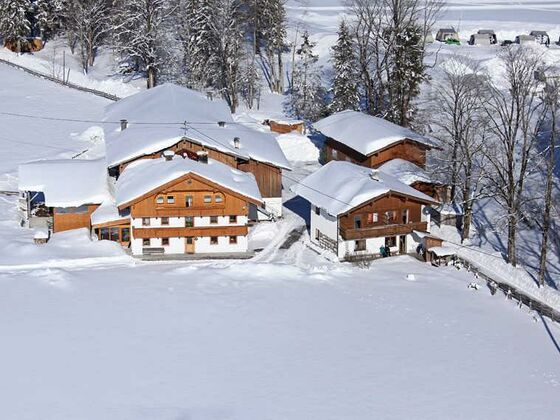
{"x": 66, "y": 182}
{"x": 405, "y": 171}
{"x": 107, "y": 212}
{"x": 443, "y": 251}
{"x": 340, "y": 186}
{"x": 146, "y": 175}
{"x": 365, "y": 133}
{"x": 168, "y": 106}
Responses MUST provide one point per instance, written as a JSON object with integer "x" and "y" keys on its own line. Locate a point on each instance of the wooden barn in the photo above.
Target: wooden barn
{"x": 370, "y": 141}
{"x": 63, "y": 193}
{"x": 209, "y": 127}
{"x": 282, "y": 126}
{"x": 363, "y": 213}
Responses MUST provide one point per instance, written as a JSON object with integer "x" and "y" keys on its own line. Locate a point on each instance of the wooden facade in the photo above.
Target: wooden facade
{"x": 285, "y": 127}
{"x": 116, "y": 231}
{"x": 389, "y": 215}
{"x": 268, "y": 176}
{"x": 406, "y": 149}
{"x": 189, "y": 196}
{"x": 72, "y": 218}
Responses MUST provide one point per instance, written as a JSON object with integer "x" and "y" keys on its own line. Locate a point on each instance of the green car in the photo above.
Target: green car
{"x": 451, "y": 41}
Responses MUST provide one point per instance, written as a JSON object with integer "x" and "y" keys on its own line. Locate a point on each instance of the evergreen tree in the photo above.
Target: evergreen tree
{"x": 14, "y": 20}
{"x": 307, "y": 95}
{"x": 48, "y": 17}
{"x": 345, "y": 86}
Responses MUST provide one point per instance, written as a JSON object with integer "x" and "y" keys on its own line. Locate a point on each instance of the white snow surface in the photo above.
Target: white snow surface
{"x": 107, "y": 212}
{"x": 443, "y": 251}
{"x": 169, "y": 106}
{"x": 365, "y": 133}
{"x": 340, "y": 186}
{"x": 66, "y": 182}
{"x": 298, "y": 148}
{"x": 145, "y": 175}
{"x": 405, "y": 171}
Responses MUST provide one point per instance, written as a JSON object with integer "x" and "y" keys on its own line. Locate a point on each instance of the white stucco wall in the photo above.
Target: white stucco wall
{"x": 373, "y": 245}
{"x": 326, "y": 224}
{"x": 272, "y": 205}
{"x": 198, "y": 221}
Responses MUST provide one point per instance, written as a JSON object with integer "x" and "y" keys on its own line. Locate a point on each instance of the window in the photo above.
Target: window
{"x": 213, "y": 220}
{"x": 105, "y": 233}
{"x": 334, "y": 154}
{"x": 145, "y": 242}
{"x": 389, "y": 216}
{"x": 372, "y": 218}
{"x": 360, "y": 245}
{"x": 189, "y": 221}
{"x": 170, "y": 199}
{"x": 207, "y": 199}
{"x": 357, "y": 222}
{"x": 145, "y": 221}
{"x": 115, "y": 234}
{"x": 233, "y": 240}
{"x": 165, "y": 221}
{"x": 218, "y": 198}
{"x": 233, "y": 219}
{"x": 391, "y": 241}
{"x": 405, "y": 216}
{"x": 188, "y": 201}
{"x": 125, "y": 235}
{"x": 165, "y": 242}
{"x": 317, "y": 211}
{"x": 159, "y": 200}
{"x": 213, "y": 240}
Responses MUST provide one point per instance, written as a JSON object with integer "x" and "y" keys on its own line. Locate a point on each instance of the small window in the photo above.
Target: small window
{"x": 218, "y": 198}
{"x": 125, "y": 235}
{"x": 114, "y": 232}
{"x": 165, "y": 221}
{"x": 233, "y": 240}
{"x": 357, "y": 222}
{"x": 213, "y": 220}
{"x": 188, "y": 201}
{"x": 145, "y": 242}
{"x": 389, "y": 216}
{"x": 159, "y": 200}
{"x": 189, "y": 221}
{"x": 334, "y": 154}
{"x": 360, "y": 245}
{"x": 170, "y": 199}
{"x": 317, "y": 211}
{"x": 213, "y": 240}
{"x": 372, "y": 218}
{"x": 207, "y": 199}
{"x": 145, "y": 221}
{"x": 391, "y": 241}
{"x": 105, "y": 233}
{"x": 165, "y": 242}
{"x": 405, "y": 216}
{"x": 233, "y": 219}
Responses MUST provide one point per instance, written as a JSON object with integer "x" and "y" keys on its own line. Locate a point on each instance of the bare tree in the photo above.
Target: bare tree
{"x": 551, "y": 99}
{"x": 514, "y": 114}
{"x": 461, "y": 131}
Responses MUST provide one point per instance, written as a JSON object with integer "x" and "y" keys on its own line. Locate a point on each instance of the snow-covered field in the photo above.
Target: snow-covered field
{"x": 89, "y": 333}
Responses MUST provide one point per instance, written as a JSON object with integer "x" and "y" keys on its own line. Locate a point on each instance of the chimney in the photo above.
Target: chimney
{"x": 168, "y": 154}
{"x": 374, "y": 174}
{"x": 202, "y": 156}
{"x": 124, "y": 125}
{"x": 222, "y": 123}
{"x": 236, "y": 142}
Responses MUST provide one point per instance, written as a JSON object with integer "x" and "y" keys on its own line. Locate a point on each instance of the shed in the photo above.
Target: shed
{"x": 427, "y": 241}
{"x": 450, "y": 214}
{"x": 481, "y": 39}
{"x": 285, "y": 126}
{"x": 524, "y": 39}
{"x": 494, "y": 39}
{"x": 442, "y": 255}
{"x": 541, "y": 37}
{"x": 446, "y": 33}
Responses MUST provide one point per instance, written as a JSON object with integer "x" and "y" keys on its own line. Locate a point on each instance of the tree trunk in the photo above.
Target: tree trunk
{"x": 152, "y": 77}
{"x": 511, "y": 245}
{"x": 280, "y": 72}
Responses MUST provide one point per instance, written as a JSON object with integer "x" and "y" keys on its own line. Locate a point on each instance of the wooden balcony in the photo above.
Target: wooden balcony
{"x": 381, "y": 231}
{"x": 177, "y": 232}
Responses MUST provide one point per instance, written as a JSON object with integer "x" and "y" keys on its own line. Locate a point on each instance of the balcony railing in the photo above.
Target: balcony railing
{"x": 383, "y": 230}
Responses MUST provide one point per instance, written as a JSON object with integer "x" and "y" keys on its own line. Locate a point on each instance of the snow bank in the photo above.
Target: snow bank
{"x": 496, "y": 268}
{"x": 405, "y": 171}
{"x": 298, "y": 148}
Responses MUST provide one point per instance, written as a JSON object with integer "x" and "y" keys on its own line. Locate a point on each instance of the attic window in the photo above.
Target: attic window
{"x": 170, "y": 199}
{"x": 207, "y": 199}
{"x": 218, "y": 198}
{"x": 159, "y": 200}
